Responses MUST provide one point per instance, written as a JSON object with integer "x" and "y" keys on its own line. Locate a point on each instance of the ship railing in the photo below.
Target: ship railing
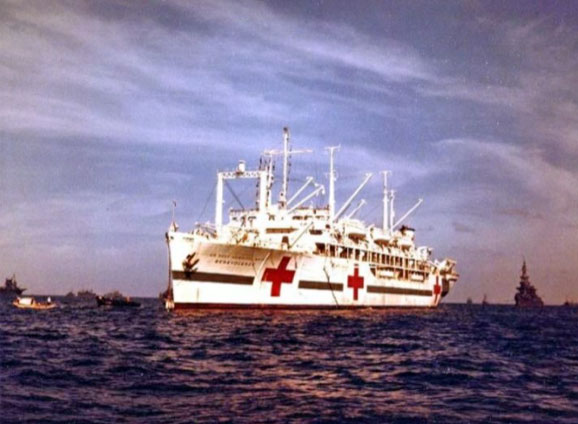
{"x": 404, "y": 265}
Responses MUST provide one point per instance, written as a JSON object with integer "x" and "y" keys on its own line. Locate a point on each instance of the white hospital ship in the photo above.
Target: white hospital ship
{"x": 290, "y": 255}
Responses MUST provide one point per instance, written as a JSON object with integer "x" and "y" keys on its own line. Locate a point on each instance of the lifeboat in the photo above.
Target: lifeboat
{"x": 404, "y": 243}
{"x": 355, "y": 230}
{"x": 381, "y": 238}
{"x": 386, "y": 273}
{"x": 416, "y": 277}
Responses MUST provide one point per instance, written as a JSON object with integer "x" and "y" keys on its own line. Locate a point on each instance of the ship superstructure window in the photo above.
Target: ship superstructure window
{"x": 405, "y": 266}
{"x": 280, "y": 230}
{"x": 332, "y": 250}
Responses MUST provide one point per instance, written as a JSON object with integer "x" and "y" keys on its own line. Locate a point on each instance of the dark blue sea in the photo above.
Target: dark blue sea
{"x": 81, "y": 364}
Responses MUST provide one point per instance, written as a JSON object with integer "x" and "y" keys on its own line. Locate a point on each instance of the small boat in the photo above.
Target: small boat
{"x": 31, "y": 303}
{"x": 117, "y": 302}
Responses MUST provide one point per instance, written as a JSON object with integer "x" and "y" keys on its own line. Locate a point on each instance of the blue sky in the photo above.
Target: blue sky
{"x": 112, "y": 109}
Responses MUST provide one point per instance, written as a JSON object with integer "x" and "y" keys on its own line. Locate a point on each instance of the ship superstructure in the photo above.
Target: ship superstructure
{"x": 290, "y": 255}
{"x": 11, "y": 288}
{"x": 527, "y": 295}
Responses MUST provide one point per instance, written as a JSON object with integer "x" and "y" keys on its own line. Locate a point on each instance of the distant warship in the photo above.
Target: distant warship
{"x": 86, "y": 294}
{"x": 115, "y": 299}
{"x": 82, "y": 294}
{"x": 527, "y": 296}
{"x": 10, "y": 288}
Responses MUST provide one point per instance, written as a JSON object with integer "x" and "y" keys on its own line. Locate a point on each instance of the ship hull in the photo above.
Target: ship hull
{"x": 283, "y": 307}
{"x": 11, "y": 294}
{"x": 208, "y": 274}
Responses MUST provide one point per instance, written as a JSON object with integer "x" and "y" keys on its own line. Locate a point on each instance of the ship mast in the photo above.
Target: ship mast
{"x": 240, "y": 173}
{"x": 524, "y": 277}
{"x": 283, "y": 194}
{"x": 219, "y": 203}
{"x": 391, "y": 213}
{"x": 286, "y": 152}
{"x": 332, "y": 179}
{"x": 386, "y": 211}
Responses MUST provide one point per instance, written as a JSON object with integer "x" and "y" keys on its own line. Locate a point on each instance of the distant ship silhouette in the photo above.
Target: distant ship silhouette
{"x": 527, "y": 296}
{"x": 11, "y": 288}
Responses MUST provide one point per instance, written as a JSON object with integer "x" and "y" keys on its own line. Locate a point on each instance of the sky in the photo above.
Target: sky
{"x": 110, "y": 110}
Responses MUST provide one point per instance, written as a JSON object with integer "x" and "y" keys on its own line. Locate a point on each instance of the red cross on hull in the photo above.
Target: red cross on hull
{"x": 437, "y": 289}
{"x": 278, "y": 276}
{"x": 355, "y": 282}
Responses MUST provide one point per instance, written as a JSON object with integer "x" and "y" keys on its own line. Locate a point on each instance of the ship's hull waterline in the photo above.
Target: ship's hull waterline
{"x": 208, "y": 274}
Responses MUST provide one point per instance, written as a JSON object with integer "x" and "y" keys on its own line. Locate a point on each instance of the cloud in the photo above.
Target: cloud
{"x": 527, "y": 166}
{"x": 462, "y": 228}
{"x": 521, "y": 213}
{"x": 530, "y": 85}
{"x": 321, "y": 41}
{"x": 135, "y": 78}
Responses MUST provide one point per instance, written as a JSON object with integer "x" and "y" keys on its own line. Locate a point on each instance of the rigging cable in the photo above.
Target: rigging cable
{"x": 327, "y": 275}
{"x": 234, "y": 195}
{"x": 207, "y": 202}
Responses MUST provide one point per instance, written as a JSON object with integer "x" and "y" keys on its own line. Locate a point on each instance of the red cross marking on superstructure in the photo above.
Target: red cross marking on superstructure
{"x": 437, "y": 290}
{"x": 278, "y": 276}
{"x": 355, "y": 282}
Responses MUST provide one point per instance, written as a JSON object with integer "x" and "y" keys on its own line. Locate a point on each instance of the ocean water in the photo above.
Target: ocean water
{"x": 458, "y": 363}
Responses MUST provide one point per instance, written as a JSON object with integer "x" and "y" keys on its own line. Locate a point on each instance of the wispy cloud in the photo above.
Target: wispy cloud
{"x": 115, "y": 77}
{"x": 526, "y": 166}
{"x": 532, "y": 87}
{"x": 462, "y": 228}
{"x": 522, "y": 213}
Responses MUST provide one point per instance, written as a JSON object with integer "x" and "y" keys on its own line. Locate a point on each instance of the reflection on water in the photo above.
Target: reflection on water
{"x": 458, "y": 363}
